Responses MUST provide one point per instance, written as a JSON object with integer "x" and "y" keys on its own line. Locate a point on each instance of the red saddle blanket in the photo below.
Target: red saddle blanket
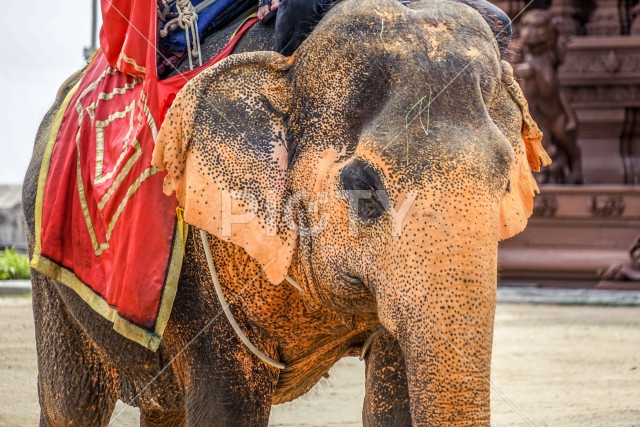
{"x": 104, "y": 228}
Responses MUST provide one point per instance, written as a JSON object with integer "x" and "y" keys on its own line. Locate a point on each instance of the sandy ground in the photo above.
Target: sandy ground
{"x": 552, "y": 366}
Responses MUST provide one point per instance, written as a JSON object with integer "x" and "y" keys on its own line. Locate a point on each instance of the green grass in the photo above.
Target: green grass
{"x": 14, "y": 265}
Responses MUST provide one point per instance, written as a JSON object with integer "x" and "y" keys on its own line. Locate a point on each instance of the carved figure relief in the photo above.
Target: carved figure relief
{"x": 635, "y": 23}
{"x": 607, "y": 205}
{"x": 545, "y": 206}
{"x": 541, "y": 56}
{"x": 625, "y": 272}
{"x": 567, "y": 15}
{"x": 605, "y": 20}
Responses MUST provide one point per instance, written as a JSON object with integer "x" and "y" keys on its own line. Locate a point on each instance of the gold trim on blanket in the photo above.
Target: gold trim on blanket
{"x": 147, "y": 338}
{"x": 135, "y": 186}
{"x": 144, "y": 337}
{"x": 130, "y": 61}
{"x": 147, "y": 112}
{"x": 44, "y": 167}
{"x": 98, "y": 246}
{"x": 101, "y": 125}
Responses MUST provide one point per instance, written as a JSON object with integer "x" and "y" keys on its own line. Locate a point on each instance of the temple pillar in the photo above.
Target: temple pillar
{"x": 601, "y": 79}
{"x": 606, "y": 19}
{"x": 567, "y": 14}
{"x": 581, "y": 235}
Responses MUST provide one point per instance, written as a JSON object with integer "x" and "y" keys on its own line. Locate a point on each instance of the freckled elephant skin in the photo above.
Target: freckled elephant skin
{"x": 398, "y": 143}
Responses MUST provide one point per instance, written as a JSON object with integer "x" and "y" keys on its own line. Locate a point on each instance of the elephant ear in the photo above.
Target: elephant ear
{"x": 223, "y": 146}
{"x": 511, "y": 114}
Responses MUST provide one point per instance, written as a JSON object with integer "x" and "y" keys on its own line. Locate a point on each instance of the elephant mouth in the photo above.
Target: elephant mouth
{"x": 352, "y": 280}
{"x": 354, "y": 294}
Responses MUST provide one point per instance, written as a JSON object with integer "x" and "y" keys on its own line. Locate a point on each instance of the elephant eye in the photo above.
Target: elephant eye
{"x": 363, "y": 187}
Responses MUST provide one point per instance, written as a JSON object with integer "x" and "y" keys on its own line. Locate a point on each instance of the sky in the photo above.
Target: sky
{"x": 42, "y": 45}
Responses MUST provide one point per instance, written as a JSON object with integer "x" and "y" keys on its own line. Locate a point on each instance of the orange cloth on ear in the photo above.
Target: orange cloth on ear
{"x": 529, "y": 154}
{"x": 532, "y": 136}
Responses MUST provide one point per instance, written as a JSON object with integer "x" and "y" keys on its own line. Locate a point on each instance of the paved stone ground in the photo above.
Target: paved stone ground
{"x": 14, "y": 287}
{"x": 506, "y": 294}
{"x": 553, "y": 365}
{"x": 533, "y": 295}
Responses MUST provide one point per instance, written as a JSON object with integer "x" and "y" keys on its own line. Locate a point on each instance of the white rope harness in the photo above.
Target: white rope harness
{"x": 225, "y": 307}
{"x": 187, "y": 19}
{"x": 232, "y": 321}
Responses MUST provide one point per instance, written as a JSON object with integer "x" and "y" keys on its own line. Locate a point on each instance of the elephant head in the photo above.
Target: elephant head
{"x": 379, "y": 167}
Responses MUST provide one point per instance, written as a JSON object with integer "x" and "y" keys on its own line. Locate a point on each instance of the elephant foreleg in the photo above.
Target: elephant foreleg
{"x": 151, "y": 418}
{"x": 228, "y": 388}
{"x": 74, "y": 387}
{"x": 223, "y": 383}
{"x": 386, "y": 401}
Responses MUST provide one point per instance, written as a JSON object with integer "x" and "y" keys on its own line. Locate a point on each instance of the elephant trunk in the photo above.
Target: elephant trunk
{"x": 448, "y": 359}
{"x": 440, "y": 307}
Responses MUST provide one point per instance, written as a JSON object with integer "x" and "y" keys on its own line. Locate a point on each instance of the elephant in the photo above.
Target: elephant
{"x": 386, "y": 158}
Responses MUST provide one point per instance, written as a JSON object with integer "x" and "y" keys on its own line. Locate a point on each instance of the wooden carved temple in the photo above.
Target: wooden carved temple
{"x": 579, "y": 64}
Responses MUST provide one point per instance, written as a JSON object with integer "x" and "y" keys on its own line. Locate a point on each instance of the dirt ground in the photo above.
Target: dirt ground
{"x": 552, "y": 366}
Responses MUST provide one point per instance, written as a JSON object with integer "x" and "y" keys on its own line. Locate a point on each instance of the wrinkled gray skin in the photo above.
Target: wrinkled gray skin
{"x": 84, "y": 366}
